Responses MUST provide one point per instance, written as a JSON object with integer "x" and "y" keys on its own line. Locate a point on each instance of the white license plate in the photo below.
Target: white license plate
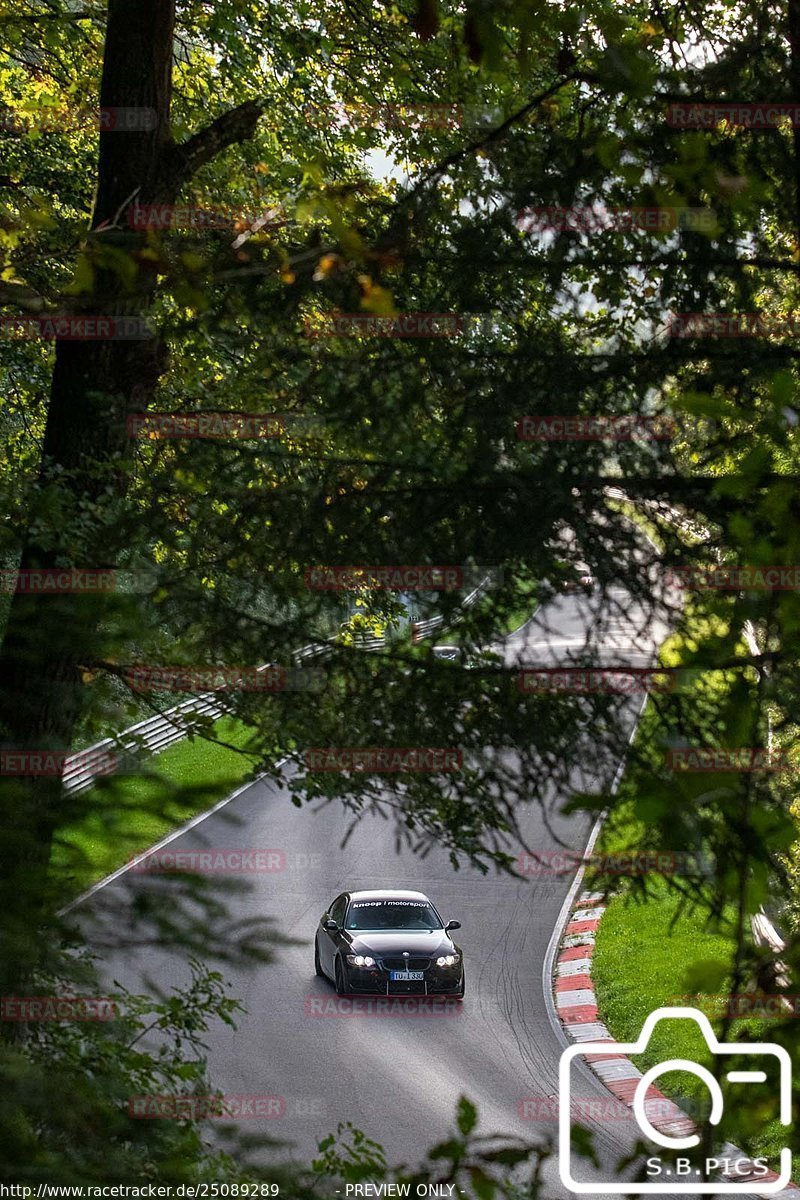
{"x": 401, "y": 975}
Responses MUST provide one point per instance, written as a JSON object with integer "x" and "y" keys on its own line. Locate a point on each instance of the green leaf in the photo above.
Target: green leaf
{"x": 466, "y": 1115}
{"x": 485, "y": 1187}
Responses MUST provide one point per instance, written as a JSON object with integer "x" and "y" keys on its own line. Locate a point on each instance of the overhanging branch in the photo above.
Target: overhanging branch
{"x": 236, "y": 125}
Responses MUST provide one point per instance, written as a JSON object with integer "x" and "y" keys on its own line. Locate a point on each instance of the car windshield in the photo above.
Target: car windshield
{"x": 392, "y": 914}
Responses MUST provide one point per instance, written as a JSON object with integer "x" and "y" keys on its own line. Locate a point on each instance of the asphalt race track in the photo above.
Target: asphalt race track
{"x": 398, "y": 1078}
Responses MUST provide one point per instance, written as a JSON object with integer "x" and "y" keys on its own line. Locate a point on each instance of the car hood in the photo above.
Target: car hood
{"x": 395, "y": 943}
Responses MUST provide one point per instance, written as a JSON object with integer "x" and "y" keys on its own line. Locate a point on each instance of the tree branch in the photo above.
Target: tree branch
{"x": 496, "y": 134}
{"x": 236, "y": 125}
{"x": 21, "y": 296}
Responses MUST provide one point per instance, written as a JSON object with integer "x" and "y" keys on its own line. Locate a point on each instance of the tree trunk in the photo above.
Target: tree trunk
{"x": 86, "y": 460}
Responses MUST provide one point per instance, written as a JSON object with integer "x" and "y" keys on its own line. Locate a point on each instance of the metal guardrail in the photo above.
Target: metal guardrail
{"x": 162, "y": 730}
{"x": 151, "y": 735}
{"x": 425, "y": 629}
{"x": 311, "y": 651}
{"x": 663, "y": 512}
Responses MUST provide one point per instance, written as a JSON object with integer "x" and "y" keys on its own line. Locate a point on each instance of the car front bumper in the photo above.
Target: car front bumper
{"x": 436, "y": 981}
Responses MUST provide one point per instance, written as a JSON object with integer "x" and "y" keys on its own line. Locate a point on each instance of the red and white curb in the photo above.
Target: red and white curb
{"x": 576, "y": 1005}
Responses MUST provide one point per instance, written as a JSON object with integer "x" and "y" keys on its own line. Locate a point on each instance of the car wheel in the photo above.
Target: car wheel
{"x": 317, "y": 964}
{"x": 341, "y": 989}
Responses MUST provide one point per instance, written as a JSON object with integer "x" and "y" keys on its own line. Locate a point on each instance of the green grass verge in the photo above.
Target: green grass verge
{"x": 516, "y": 619}
{"x": 651, "y": 953}
{"x": 647, "y": 956}
{"x": 185, "y": 779}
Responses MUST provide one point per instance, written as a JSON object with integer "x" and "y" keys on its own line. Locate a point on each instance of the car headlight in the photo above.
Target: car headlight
{"x": 360, "y": 960}
{"x": 447, "y": 960}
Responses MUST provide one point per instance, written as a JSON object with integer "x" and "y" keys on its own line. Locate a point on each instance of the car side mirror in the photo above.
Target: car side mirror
{"x": 452, "y": 925}
{"x": 330, "y": 925}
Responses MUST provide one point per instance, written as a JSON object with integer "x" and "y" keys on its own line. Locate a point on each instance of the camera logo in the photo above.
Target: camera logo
{"x": 695, "y": 1174}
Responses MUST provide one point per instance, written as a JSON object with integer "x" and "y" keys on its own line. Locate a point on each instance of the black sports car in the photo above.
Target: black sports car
{"x": 388, "y": 942}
